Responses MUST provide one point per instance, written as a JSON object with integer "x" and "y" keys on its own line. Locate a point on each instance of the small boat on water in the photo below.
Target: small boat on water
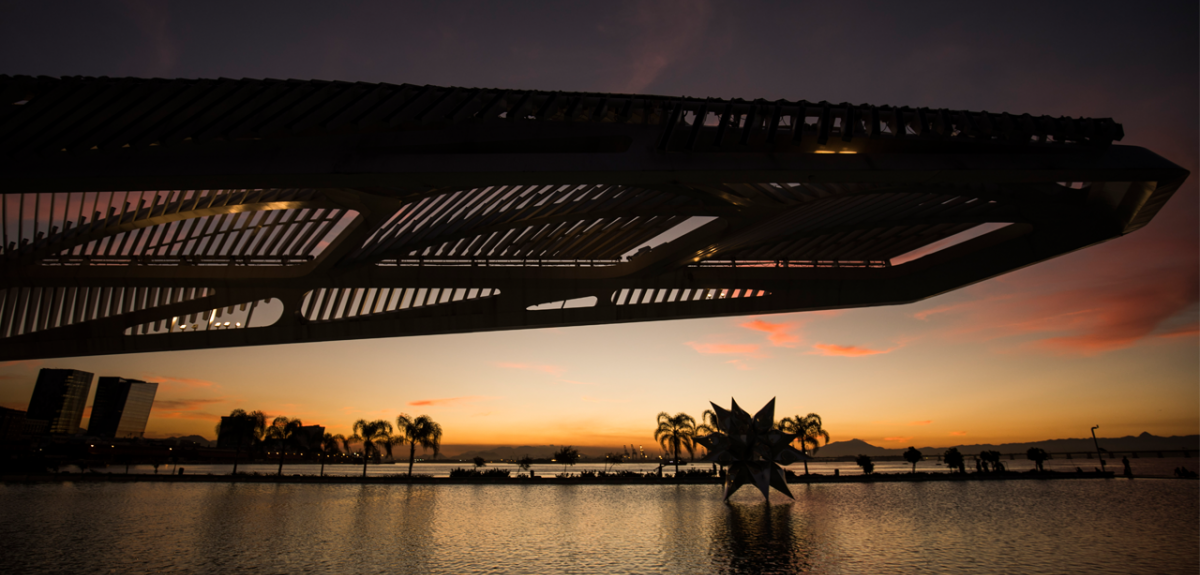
{"x": 672, "y": 462}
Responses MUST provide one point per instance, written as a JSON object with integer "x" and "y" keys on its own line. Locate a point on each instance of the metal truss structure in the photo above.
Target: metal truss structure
{"x": 151, "y": 215}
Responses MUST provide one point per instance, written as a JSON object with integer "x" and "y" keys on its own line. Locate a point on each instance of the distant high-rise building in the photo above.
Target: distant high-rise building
{"x": 121, "y": 407}
{"x": 58, "y": 399}
{"x": 310, "y": 437}
{"x": 12, "y": 425}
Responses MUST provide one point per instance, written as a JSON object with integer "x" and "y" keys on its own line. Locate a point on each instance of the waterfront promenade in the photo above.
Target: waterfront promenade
{"x": 550, "y": 479}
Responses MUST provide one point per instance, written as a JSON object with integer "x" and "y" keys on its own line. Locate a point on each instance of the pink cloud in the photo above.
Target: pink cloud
{"x": 739, "y": 364}
{"x": 1185, "y": 331}
{"x": 450, "y": 400}
{"x": 924, "y": 315}
{"x": 926, "y": 422}
{"x": 958, "y": 433}
{"x": 29, "y": 364}
{"x": 750, "y": 349}
{"x": 830, "y": 349}
{"x": 655, "y": 48}
{"x": 550, "y": 369}
{"x": 1088, "y": 305}
{"x": 779, "y": 334}
{"x": 899, "y": 439}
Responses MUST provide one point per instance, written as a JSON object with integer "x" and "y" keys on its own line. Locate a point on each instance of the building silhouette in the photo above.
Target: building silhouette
{"x": 12, "y": 425}
{"x": 121, "y": 407}
{"x": 310, "y": 437}
{"x": 236, "y": 431}
{"x": 58, "y": 400}
{"x": 495, "y": 209}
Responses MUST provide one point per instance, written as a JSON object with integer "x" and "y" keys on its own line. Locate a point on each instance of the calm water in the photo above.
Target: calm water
{"x": 1066, "y": 526}
{"x": 1145, "y": 466}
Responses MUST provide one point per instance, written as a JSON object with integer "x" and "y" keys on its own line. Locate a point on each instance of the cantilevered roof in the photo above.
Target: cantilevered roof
{"x": 146, "y": 214}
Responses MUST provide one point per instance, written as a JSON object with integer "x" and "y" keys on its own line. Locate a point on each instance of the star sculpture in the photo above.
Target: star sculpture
{"x": 751, "y": 449}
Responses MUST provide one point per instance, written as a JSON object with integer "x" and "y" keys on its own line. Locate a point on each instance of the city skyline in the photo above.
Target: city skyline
{"x": 1104, "y": 336}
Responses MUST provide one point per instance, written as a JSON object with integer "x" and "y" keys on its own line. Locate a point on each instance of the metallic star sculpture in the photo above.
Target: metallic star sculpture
{"x": 751, "y": 449}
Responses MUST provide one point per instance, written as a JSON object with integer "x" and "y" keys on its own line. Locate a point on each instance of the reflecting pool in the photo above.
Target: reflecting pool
{"x": 1083, "y": 526}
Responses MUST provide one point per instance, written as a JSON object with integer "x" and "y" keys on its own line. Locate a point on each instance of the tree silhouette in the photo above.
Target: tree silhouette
{"x": 371, "y": 434}
{"x": 954, "y": 460}
{"x": 912, "y": 456}
{"x": 675, "y": 432}
{"x": 991, "y": 459}
{"x": 865, "y": 463}
{"x": 526, "y": 464}
{"x": 612, "y": 460}
{"x": 810, "y": 431}
{"x": 421, "y": 431}
{"x": 284, "y": 433}
{"x": 330, "y": 445}
{"x": 566, "y": 456}
{"x": 1037, "y": 455}
{"x": 479, "y": 461}
{"x": 248, "y": 430}
{"x": 709, "y": 423}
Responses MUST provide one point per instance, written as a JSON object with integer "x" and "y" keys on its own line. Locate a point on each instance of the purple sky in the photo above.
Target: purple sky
{"x": 1107, "y": 335}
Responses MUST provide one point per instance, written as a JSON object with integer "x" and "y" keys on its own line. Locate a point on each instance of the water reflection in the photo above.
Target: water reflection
{"x": 1095, "y": 526}
{"x": 756, "y": 538}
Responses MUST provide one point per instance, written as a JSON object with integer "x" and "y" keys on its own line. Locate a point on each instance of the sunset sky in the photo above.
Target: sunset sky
{"x": 1107, "y": 336}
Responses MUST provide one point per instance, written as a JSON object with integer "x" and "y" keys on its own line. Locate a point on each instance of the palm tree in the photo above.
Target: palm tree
{"x": 709, "y": 423}
{"x": 677, "y": 431}
{"x": 387, "y": 446}
{"x": 422, "y": 430}
{"x": 284, "y": 433}
{"x": 330, "y": 445}
{"x": 809, "y": 430}
{"x": 248, "y": 429}
{"x": 954, "y": 460}
{"x": 912, "y": 456}
{"x": 371, "y": 433}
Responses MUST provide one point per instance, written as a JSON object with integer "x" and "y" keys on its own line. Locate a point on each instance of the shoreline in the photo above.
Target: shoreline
{"x": 551, "y": 480}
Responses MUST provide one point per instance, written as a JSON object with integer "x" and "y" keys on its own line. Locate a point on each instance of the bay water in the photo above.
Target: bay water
{"x": 1026, "y": 526}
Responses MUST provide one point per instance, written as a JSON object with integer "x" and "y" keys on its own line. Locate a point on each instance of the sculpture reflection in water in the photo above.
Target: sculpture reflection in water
{"x": 751, "y": 449}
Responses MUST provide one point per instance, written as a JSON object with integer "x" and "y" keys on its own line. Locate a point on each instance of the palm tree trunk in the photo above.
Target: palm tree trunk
{"x": 412, "y": 452}
{"x": 322, "y": 465}
{"x": 364, "y": 460}
{"x": 280, "y": 473}
{"x": 676, "y": 457}
{"x": 236, "y": 453}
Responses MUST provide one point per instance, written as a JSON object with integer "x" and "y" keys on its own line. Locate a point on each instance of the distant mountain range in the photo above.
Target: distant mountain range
{"x": 1143, "y": 442}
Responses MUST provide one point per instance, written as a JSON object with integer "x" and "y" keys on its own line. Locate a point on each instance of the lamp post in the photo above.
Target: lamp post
{"x": 1097, "y": 444}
